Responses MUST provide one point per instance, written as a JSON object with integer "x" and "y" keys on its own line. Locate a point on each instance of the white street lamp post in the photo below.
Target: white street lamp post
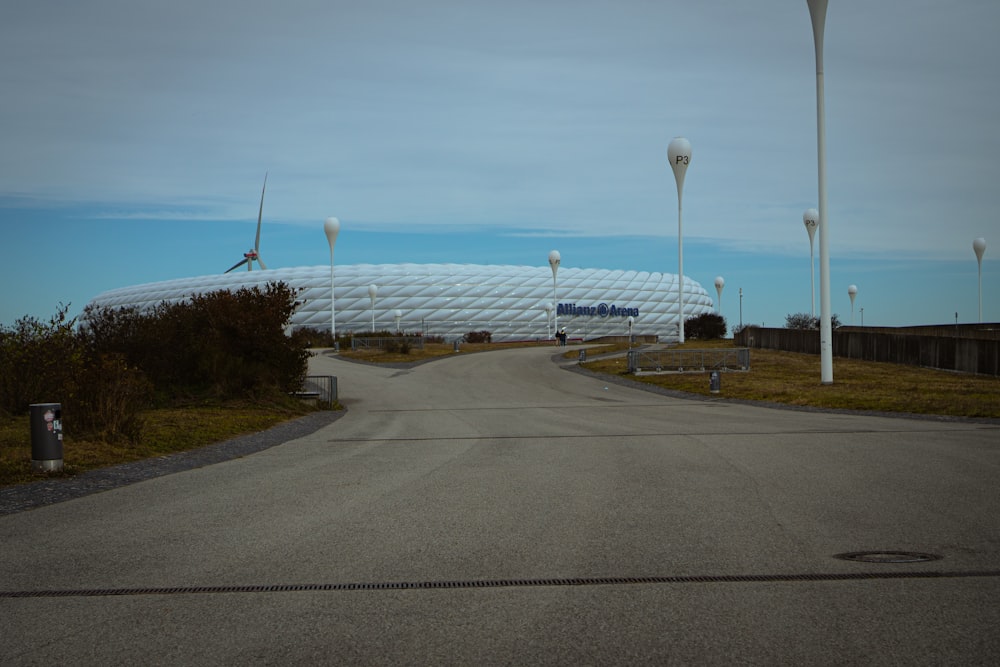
{"x": 852, "y": 291}
{"x": 679, "y": 153}
{"x": 719, "y": 284}
{"x": 548, "y": 320}
{"x": 631, "y": 321}
{"x": 817, "y": 12}
{"x": 811, "y": 220}
{"x": 741, "y": 308}
{"x": 554, "y": 260}
{"x": 398, "y": 314}
{"x": 372, "y": 293}
{"x": 979, "y": 246}
{"x": 332, "y": 227}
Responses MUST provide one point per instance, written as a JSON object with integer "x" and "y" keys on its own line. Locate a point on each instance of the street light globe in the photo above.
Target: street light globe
{"x": 332, "y": 227}
{"x": 679, "y": 154}
{"x": 811, "y": 220}
{"x": 979, "y": 247}
{"x": 554, "y": 259}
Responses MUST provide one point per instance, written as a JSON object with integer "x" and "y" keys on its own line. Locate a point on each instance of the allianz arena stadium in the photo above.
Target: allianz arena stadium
{"x": 450, "y": 300}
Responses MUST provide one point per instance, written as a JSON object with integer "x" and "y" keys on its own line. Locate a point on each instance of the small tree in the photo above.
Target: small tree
{"x": 807, "y": 321}
{"x": 801, "y": 321}
{"x": 707, "y": 326}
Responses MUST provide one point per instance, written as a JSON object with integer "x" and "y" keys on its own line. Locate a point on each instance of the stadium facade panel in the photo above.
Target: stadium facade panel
{"x": 450, "y": 300}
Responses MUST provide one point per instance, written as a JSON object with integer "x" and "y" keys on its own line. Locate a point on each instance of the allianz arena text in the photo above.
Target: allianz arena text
{"x": 450, "y": 300}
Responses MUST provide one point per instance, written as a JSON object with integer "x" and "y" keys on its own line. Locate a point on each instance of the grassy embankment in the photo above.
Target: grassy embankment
{"x": 794, "y": 379}
{"x": 165, "y": 431}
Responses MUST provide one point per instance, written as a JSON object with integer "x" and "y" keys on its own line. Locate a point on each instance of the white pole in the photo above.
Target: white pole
{"x": 332, "y": 227}
{"x": 372, "y": 293}
{"x": 554, "y": 261}
{"x": 679, "y": 153}
{"x": 852, "y": 291}
{"x": 817, "y": 11}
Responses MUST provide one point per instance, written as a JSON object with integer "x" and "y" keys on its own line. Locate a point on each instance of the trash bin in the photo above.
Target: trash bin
{"x": 456, "y": 344}
{"x": 583, "y": 355}
{"x": 46, "y": 437}
{"x": 714, "y": 382}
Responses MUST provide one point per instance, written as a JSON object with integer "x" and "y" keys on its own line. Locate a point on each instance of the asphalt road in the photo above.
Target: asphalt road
{"x": 497, "y": 509}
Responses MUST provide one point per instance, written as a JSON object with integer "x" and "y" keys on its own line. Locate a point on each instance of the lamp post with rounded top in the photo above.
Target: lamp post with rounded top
{"x": 852, "y": 291}
{"x": 719, "y": 284}
{"x": 397, "y": 315}
{"x": 979, "y": 247}
{"x": 554, "y": 260}
{"x": 817, "y": 12}
{"x": 811, "y": 220}
{"x": 331, "y": 226}
{"x": 679, "y": 153}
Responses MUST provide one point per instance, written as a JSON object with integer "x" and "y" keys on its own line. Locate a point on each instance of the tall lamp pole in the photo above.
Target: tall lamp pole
{"x": 979, "y": 246}
{"x": 852, "y": 291}
{"x": 554, "y": 260}
{"x": 741, "y": 308}
{"x": 332, "y": 227}
{"x": 548, "y": 319}
{"x": 372, "y": 293}
{"x": 811, "y": 220}
{"x": 679, "y": 153}
{"x": 817, "y": 12}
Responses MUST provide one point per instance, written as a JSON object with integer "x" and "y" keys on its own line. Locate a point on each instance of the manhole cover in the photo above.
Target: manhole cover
{"x": 888, "y": 556}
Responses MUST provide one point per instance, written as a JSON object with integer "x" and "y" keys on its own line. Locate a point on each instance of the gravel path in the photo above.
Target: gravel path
{"x": 37, "y": 494}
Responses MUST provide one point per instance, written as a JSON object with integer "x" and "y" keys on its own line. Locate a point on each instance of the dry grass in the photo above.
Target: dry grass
{"x": 794, "y": 379}
{"x": 165, "y": 431}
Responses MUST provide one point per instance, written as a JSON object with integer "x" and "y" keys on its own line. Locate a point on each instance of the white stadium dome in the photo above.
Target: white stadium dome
{"x": 451, "y": 300}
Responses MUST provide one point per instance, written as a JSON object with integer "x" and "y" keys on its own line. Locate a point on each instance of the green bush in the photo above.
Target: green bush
{"x": 478, "y": 337}
{"x": 110, "y": 399}
{"x": 222, "y": 344}
{"x": 707, "y": 326}
{"x": 40, "y": 362}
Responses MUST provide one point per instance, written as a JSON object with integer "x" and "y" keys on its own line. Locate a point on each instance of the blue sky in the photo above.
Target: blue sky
{"x": 136, "y": 138}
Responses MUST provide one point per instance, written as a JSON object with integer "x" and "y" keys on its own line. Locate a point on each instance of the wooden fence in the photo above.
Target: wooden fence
{"x": 964, "y": 348}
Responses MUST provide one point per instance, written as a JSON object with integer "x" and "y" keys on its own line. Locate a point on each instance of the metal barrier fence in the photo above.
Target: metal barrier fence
{"x": 320, "y": 388}
{"x": 387, "y": 342}
{"x": 688, "y": 361}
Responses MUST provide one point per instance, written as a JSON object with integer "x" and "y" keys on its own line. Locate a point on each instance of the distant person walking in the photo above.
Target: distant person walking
{"x": 562, "y": 336}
